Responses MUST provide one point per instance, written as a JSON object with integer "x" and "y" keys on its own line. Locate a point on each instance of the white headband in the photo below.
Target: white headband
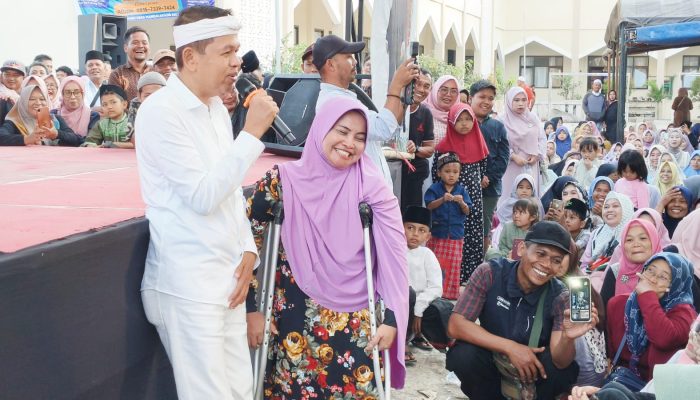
{"x": 205, "y": 29}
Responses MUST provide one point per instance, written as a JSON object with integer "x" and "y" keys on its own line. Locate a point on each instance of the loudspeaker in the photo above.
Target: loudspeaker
{"x": 104, "y": 33}
{"x": 296, "y": 96}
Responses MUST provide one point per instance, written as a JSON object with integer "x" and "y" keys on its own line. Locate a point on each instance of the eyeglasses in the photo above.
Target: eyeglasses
{"x": 72, "y": 93}
{"x": 51, "y": 86}
{"x": 661, "y": 277}
{"x": 445, "y": 90}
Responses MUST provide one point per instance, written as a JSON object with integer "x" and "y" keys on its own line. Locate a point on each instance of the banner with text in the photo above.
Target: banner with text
{"x": 139, "y": 9}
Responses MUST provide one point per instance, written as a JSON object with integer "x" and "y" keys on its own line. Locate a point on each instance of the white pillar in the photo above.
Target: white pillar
{"x": 486, "y": 49}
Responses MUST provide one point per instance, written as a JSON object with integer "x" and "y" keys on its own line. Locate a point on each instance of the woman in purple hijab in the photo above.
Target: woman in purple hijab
{"x": 320, "y": 307}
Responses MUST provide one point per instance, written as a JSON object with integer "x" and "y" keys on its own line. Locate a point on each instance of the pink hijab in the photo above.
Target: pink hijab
{"x": 322, "y": 232}
{"x": 524, "y": 130}
{"x": 432, "y": 100}
{"x": 661, "y": 229}
{"x": 685, "y": 237}
{"x": 78, "y": 119}
{"x": 629, "y": 269}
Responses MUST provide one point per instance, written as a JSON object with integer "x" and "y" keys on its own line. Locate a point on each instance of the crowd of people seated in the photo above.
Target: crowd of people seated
{"x": 498, "y": 213}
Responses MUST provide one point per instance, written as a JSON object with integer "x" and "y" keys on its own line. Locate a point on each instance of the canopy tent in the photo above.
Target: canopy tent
{"x": 639, "y": 26}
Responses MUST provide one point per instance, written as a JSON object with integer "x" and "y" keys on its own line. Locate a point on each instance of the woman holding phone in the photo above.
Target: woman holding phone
{"x": 654, "y": 320}
{"x": 29, "y": 123}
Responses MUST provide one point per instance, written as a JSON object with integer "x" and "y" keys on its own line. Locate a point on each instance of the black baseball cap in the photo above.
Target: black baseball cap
{"x": 481, "y": 85}
{"x": 550, "y": 234}
{"x": 577, "y": 206}
{"x": 328, "y": 46}
{"x": 307, "y": 52}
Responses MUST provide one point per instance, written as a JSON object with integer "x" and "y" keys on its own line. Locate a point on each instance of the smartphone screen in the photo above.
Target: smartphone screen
{"x": 556, "y": 204}
{"x": 580, "y": 298}
{"x": 44, "y": 118}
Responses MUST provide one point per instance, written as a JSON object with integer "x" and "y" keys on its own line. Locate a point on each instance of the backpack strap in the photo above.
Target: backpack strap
{"x": 537, "y": 326}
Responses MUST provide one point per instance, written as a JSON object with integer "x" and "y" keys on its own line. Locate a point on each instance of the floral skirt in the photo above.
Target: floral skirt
{"x": 319, "y": 354}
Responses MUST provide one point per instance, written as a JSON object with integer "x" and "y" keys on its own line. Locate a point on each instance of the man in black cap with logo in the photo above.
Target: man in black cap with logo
{"x": 525, "y": 338}
{"x": 335, "y": 61}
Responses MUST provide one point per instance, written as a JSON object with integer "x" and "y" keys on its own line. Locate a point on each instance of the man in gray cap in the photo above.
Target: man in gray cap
{"x": 334, "y": 59}
{"x": 13, "y": 72}
{"x": 513, "y": 300}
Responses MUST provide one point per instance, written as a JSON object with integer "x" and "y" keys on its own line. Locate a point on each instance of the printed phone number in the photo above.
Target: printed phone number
{"x": 149, "y": 9}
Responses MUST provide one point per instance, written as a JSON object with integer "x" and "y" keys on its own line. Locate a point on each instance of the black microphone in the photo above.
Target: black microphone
{"x": 245, "y": 87}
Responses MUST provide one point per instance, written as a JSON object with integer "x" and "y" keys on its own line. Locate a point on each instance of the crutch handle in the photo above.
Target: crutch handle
{"x": 365, "y": 215}
{"x": 278, "y": 212}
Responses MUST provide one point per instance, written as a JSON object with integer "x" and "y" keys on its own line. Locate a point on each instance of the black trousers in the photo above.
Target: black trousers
{"x": 481, "y": 380}
{"x": 412, "y": 187}
{"x": 435, "y": 317}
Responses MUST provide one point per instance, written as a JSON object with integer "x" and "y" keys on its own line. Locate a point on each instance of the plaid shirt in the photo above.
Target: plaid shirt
{"x": 127, "y": 77}
{"x": 471, "y": 302}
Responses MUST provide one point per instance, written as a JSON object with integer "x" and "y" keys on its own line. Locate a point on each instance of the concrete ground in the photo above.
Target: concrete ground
{"x": 426, "y": 379}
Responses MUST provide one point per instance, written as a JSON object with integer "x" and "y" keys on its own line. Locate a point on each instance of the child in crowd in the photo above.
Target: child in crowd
{"x": 428, "y": 313}
{"x": 450, "y": 204}
{"x": 633, "y": 176}
{"x": 114, "y": 130}
{"x": 576, "y": 221}
{"x": 525, "y": 214}
{"x": 588, "y": 167}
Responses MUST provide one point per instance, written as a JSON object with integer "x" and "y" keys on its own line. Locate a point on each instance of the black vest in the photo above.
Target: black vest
{"x": 508, "y": 312}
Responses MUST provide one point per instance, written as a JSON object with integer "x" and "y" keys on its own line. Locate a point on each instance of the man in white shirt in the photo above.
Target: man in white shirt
{"x": 334, "y": 59}
{"x": 201, "y": 254}
{"x": 94, "y": 69}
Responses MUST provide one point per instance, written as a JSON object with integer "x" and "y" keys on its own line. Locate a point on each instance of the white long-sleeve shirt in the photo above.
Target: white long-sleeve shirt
{"x": 382, "y": 126}
{"x": 191, "y": 171}
{"x": 425, "y": 277}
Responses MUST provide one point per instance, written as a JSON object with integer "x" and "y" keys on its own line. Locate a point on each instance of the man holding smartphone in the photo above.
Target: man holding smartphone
{"x": 504, "y": 296}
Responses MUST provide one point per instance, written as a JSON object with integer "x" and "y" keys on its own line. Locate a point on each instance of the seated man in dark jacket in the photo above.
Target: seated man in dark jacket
{"x": 504, "y": 297}
{"x": 22, "y": 127}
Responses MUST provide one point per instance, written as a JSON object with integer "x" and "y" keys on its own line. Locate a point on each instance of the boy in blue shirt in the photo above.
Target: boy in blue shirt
{"x": 450, "y": 204}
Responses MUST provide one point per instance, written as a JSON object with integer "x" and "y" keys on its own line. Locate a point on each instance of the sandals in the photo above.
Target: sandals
{"x": 409, "y": 358}
{"x": 421, "y": 343}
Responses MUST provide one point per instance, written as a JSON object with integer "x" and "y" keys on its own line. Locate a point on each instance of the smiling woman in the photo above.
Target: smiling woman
{"x": 527, "y": 143}
{"x": 445, "y": 94}
{"x": 22, "y": 126}
{"x": 321, "y": 288}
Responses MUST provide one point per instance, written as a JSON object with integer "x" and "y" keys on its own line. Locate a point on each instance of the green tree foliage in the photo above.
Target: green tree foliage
{"x": 656, "y": 93}
{"x": 291, "y": 58}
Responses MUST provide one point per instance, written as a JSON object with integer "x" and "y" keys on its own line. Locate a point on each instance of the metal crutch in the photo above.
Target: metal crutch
{"x": 383, "y": 389}
{"x": 272, "y": 244}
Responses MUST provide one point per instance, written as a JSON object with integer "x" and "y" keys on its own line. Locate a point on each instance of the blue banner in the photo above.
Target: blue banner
{"x": 139, "y": 9}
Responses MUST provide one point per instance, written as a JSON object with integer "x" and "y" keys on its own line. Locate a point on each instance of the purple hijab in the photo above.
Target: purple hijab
{"x": 322, "y": 232}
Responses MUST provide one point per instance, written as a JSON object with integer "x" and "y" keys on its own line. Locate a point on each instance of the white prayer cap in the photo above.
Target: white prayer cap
{"x": 521, "y": 79}
{"x": 207, "y": 28}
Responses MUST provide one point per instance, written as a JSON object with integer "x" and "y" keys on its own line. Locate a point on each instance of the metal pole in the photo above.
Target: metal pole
{"x": 360, "y": 26}
{"x": 278, "y": 37}
{"x": 622, "y": 76}
{"x": 348, "y": 20}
